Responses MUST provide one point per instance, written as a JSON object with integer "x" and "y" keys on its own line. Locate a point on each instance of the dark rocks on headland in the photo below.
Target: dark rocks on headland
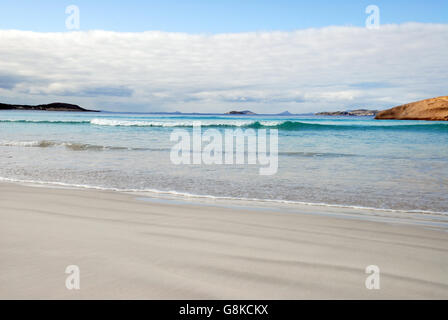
{"x": 434, "y": 109}
{"x": 358, "y": 112}
{"x": 57, "y": 106}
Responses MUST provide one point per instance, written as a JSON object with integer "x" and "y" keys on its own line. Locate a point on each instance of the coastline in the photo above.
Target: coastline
{"x": 236, "y": 202}
{"x": 129, "y": 245}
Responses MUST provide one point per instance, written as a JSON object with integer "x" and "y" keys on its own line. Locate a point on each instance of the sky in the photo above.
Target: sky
{"x": 216, "y": 56}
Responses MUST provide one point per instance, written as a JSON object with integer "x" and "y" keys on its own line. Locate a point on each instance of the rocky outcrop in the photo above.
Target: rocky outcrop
{"x": 57, "y": 106}
{"x": 430, "y": 109}
{"x": 358, "y": 112}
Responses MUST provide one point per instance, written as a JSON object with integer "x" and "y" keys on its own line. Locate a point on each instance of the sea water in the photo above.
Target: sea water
{"x": 347, "y": 161}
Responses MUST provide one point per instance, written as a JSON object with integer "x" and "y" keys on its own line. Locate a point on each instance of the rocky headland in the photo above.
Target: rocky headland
{"x": 57, "y": 106}
{"x": 358, "y": 112}
{"x": 434, "y": 109}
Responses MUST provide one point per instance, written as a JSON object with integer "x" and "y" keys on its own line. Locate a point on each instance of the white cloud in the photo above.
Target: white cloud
{"x": 302, "y": 71}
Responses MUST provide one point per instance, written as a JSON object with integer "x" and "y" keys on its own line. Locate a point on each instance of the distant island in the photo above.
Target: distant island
{"x": 245, "y": 112}
{"x": 285, "y": 113}
{"x": 57, "y": 106}
{"x": 358, "y": 112}
{"x": 434, "y": 109}
{"x": 250, "y": 113}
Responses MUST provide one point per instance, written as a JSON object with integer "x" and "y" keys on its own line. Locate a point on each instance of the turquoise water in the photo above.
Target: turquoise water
{"x": 355, "y": 161}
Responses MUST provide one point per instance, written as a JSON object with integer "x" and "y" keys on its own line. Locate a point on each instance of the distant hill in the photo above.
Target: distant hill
{"x": 245, "y": 112}
{"x": 358, "y": 112}
{"x": 285, "y": 113}
{"x": 57, "y": 106}
{"x": 429, "y": 109}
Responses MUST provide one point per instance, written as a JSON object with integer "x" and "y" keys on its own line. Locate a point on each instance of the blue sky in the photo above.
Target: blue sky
{"x": 204, "y": 56}
{"x": 213, "y": 16}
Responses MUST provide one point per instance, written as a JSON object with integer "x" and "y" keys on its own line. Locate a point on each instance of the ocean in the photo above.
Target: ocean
{"x": 342, "y": 161}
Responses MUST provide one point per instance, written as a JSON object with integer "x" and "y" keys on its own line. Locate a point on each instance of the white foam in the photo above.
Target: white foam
{"x": 19, "y": 143}
{"x": 43, "y": 121}
{"x": 198, "y": 196}
{"x": 141, "y": 123}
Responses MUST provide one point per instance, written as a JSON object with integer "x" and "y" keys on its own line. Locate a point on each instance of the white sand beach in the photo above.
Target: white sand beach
{"x": 128, "y": 248}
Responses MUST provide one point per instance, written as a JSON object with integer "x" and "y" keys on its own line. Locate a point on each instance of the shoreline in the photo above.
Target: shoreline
{"x": 198, "y": 198}
{"x": 128, "y": 247}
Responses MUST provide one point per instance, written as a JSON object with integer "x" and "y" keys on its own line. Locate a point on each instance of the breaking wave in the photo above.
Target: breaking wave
{"x": 46, "y": 121}
{"x": 280, "y": 125}
{"x": 289, "y": 125}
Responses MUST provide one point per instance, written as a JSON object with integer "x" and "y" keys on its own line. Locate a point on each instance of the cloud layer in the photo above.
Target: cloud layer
{"x": 303, "y": 71}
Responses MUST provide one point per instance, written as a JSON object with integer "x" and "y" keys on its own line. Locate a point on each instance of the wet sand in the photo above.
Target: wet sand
{"x": 127, "y": 248}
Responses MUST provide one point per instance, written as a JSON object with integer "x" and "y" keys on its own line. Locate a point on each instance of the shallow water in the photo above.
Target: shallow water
{"x": 355, "y": 161}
